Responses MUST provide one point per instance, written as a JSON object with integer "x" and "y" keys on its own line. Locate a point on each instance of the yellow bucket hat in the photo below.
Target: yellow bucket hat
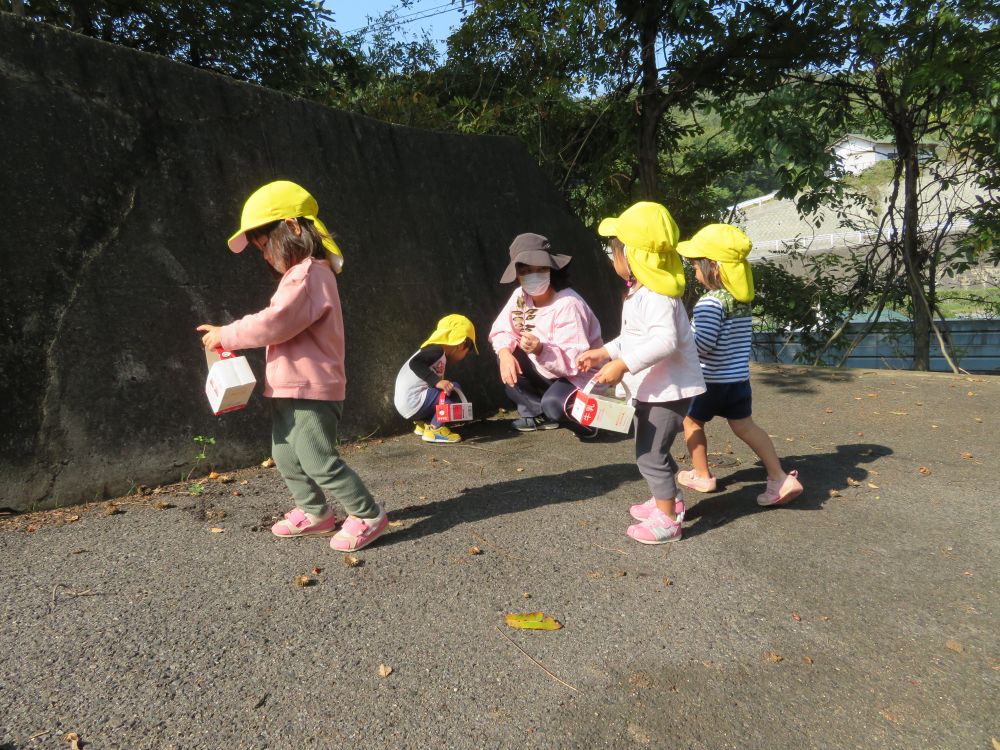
{"x": 453, "y": 330}
{"x": 283, "y": 200}
{"x": 729, "y": 247}
{"x": 650, "y": 235}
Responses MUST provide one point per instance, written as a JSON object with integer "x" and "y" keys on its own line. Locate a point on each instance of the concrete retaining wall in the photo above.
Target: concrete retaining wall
{"x": 123, "y": 175}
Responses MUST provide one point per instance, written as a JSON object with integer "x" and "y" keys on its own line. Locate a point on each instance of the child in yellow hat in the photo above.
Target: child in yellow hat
{"x": 723, "y": 332}
{"x": 421, "y": 380}
{"x": 303, "y": 330}
{"x": 654, "y": 355}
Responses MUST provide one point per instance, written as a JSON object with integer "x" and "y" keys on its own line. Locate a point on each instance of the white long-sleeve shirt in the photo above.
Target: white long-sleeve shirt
{"x": 657, "y": 345}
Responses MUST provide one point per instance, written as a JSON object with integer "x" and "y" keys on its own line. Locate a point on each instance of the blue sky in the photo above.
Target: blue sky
{"x": 436, "y": 16}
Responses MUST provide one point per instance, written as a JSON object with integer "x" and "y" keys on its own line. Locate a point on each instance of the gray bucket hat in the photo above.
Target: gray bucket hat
{"x": 531, "y": 250}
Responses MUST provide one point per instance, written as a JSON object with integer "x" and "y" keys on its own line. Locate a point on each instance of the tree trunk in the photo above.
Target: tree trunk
{"x": 651, "y": 105}
{"x": 912, "y": 256}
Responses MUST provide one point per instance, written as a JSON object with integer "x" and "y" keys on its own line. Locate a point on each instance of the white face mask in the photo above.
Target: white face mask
{"x": 534, "y": 284}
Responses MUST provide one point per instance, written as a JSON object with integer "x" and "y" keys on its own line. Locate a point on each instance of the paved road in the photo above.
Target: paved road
{"x": 863, "y": 616}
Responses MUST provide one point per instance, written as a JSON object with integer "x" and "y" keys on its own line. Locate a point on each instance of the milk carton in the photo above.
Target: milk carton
{"x": 230, "y": 381}
{"x": 448, "y": 411}
{"x": 602, "y": 412}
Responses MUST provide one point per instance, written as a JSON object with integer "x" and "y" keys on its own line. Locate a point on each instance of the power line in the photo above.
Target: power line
{"x": 410, "y": 18}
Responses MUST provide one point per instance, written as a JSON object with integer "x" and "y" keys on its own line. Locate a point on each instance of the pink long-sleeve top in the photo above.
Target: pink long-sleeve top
{"x": 566, "y": 327}
{"x": 303, "y": 330}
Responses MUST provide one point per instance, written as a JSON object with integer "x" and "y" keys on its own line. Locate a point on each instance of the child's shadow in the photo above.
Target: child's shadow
{"x": 477, "y": 503}
{"x": 820, "y": 474}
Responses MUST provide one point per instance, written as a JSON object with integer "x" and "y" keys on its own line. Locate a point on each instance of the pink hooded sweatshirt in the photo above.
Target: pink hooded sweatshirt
{"x": 303, "y": 330}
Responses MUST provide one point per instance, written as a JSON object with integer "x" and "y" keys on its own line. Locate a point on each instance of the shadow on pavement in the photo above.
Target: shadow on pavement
{"x": 800, "y": 381}
{"x": 820, "y": 474}
{"x": 514, "y": 496}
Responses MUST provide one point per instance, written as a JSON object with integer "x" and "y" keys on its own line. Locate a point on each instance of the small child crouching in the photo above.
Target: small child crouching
{"x": 421, "y": 380}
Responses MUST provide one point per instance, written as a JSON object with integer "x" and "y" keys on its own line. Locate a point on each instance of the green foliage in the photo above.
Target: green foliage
{"x": 283, "y": 44}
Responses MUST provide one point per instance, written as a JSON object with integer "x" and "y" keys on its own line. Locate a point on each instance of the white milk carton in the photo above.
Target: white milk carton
{"x": 448, "y": 411}
{"x": 230, "y": 381}
{"x": 602, "y": 412}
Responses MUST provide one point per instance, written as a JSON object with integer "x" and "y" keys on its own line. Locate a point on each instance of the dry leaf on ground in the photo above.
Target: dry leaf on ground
{"x": 303, "y": 581}
{"x": 853, "y": 482}
{"x": 395, "y": 524}
{"x": 889, "y": 716}
{"x": 216, "y": 530}
{"x": 163, "y": 505}
{"x": 475, "y": 551}
{"x": 316, "y": 571}
{"x": 797, "y": 617}
{"x": 214, "y": 475}
{"x": 775, "y": 656}
{"x": 384, "y": 670}
{"x": 834, "y": 493}
{"x": 532, "y": 621}
{"x": 267, "y": 463}
{"x": 807, "y": 659}
{"x": 967, "y": 456}
{"x": 996, "y": 743}
{"x": 953, "y": 645}
{"x": 73, "y": 739}
{"x": 872, "y": 486}
{"x": 352, "y": 561}
{"x": 924, "y": 471}
{"x": 667, "y": 582}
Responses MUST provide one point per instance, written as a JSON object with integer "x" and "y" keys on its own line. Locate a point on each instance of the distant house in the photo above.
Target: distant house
{"x": 858, "y": 152}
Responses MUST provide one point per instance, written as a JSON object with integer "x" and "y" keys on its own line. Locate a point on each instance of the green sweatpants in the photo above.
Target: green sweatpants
{"x": 304, "y": 448}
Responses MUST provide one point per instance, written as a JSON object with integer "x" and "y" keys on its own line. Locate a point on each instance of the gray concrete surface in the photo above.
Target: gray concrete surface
{"x": 125, "y": 173}
{"x": 862, "y": 616}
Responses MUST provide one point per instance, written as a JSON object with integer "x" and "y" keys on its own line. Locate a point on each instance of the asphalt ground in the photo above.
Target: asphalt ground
{"x": 864, "y": 615}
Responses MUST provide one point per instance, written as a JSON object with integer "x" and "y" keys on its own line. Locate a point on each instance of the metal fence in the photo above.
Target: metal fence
{"x": 890, "y": 346}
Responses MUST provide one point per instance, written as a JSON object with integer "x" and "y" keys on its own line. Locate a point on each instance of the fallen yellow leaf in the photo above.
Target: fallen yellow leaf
{"x": 532, "y": 621}
{"x": 797, "y": 617}
{"x": 967, "y": 456}
{"x": 807, "y": 659}
{"x": 834, "y": 493}
{"x": 267, "y": 463}
{"x": 303, "y": 581}
{"x": 214, "y": 475}
{"x": 73, "y": 739}
{"x": 996, "y": 743}
{"x": 395, "y": 524}
{"x": 384, "y": 670}
{"x": 924, "y": 471}
{"x": 955, "y": 646}
{"x": 775, "y": 656}
{"x": 899, "y": 413}
{"x": 216, "y": 530}
{"x": 475, "y": 551}
{"x": 872, "y": 486}
{"x": 853, "y": 482}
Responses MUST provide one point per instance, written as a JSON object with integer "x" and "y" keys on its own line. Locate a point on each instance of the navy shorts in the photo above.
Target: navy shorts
{"x": 727, "y": 400}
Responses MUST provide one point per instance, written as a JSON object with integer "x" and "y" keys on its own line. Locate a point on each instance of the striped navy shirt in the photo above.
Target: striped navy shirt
{"x": 723, "y": 329}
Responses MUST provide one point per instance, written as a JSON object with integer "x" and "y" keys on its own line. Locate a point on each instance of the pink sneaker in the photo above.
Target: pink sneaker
{"x": 693, "y": 481}
{"x": 297, "y": 523}
{"x": 642, "y": 511}
{"x": 657, "y": 529}
{"x": 359, "y": 532}
{"x": 781, "y": 491}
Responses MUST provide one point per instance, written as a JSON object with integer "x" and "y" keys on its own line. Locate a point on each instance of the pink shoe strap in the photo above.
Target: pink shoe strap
{"x": 297, "y": 518}
{"x": 355, "y": 526}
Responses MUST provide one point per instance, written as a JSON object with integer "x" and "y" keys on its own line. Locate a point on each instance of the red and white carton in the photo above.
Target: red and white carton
{"x": 602, "y": 412}
{"x": 230, "y": 381}
{"x": 453, "y": 411}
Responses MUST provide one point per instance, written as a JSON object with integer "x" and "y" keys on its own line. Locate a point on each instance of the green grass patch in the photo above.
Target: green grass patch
{"x": 964, "y": 303}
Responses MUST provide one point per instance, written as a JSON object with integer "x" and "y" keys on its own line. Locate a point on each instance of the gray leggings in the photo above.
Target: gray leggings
{"x": 656, "y": 426}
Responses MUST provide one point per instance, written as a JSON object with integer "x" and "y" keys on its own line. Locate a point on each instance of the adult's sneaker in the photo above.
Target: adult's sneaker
{"x": 530, "y": 424}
